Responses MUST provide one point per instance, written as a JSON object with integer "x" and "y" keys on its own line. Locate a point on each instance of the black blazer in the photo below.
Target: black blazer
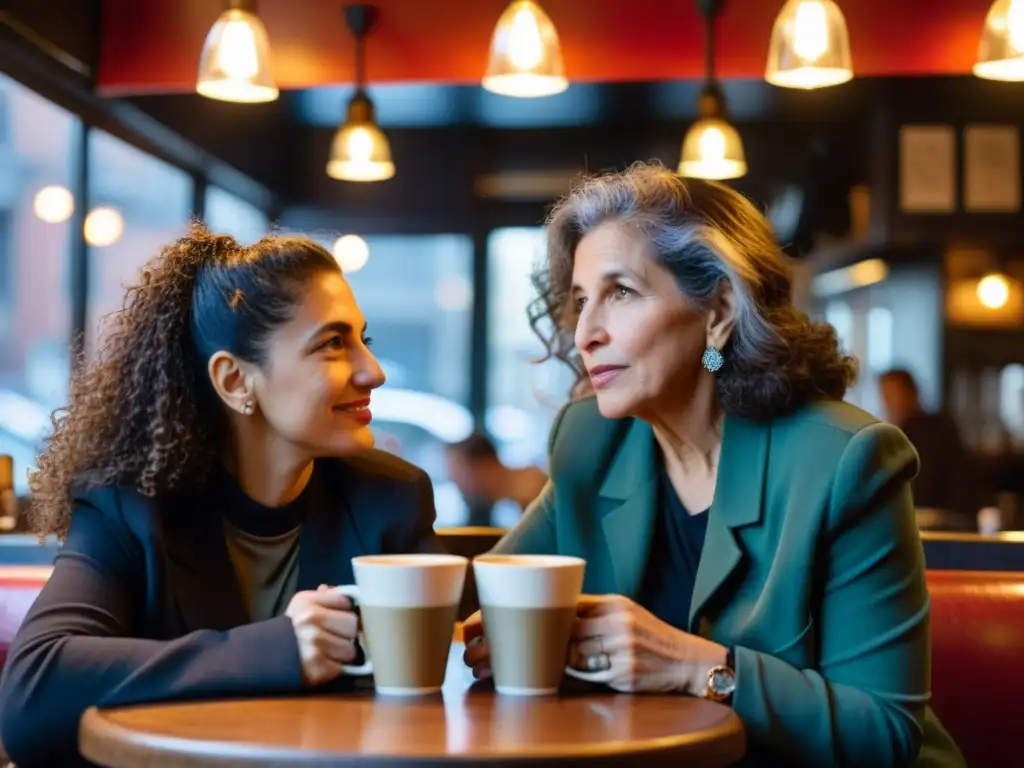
{"x": 143, "y": 604}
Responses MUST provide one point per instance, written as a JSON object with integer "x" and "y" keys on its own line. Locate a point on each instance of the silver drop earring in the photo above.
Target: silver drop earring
{"x": 712, "y": 359}
{"x": 248, "y": 408}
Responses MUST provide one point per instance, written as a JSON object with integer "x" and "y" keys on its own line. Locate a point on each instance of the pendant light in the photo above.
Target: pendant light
{"x": 1001, "y": 48}
{"x": 360, "y": 150}
{"x": 712, "y": 148}
{"x": 526, "y": 57}
{"x": 235, "y": 62}
{"x": 810, "y": 46}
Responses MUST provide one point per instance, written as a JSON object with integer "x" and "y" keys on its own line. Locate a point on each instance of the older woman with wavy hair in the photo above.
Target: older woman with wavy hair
{"x": 749, "y": 537}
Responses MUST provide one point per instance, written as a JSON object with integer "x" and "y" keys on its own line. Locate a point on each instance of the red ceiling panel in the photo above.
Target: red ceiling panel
{"x": 152, "y": 46}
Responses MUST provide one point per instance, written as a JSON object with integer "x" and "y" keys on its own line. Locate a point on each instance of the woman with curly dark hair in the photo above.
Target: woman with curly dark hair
{"x": 212, "y": 470}
{"x": 749, "y": 537}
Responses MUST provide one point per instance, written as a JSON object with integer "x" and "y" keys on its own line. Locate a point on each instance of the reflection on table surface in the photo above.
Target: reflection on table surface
{"x": 467, "y": 720}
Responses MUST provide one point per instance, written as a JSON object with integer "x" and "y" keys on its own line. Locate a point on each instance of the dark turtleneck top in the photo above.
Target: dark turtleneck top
{"x": 263, "y": 543}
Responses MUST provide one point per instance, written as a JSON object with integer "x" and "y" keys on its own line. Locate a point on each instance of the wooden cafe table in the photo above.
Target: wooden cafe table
{"x": 467, "y": 725}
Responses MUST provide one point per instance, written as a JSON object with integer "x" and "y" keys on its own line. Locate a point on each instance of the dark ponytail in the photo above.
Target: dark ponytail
{"x": 141, "y": 412}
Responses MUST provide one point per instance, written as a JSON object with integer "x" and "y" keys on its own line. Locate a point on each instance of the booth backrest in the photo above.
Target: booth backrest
{"x": 19, "y": 585}
{"x": 977, "y": 648}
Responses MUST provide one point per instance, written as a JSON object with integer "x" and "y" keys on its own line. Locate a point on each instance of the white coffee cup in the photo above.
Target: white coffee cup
{"x": 528, "y": 603}
{"x": 408, "y": 605}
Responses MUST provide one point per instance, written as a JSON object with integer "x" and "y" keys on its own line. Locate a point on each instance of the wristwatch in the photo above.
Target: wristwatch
{"x": 721, "y": 682}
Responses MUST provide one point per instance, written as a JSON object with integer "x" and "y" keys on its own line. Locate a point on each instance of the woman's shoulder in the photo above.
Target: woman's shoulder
{"x": 835, "y": 423}
{"x": 115, "y": 503}
{"x": 845, "y": 442}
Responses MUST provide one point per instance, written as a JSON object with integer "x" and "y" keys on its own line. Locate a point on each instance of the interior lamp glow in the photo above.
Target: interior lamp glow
{"x": 360, "y": 150}
{"x": 526, "y": 57}
{"x": 1001, "y": 47}
{"x": 993, "y": 291}
{"x": 810, "y": 46}
{"x": 235, "y": 62}
{"x": 351, "y": 252}
{"x": 54, "y": 205}
{"x": 712, "y": 148}
{"x": 103, "y": 226}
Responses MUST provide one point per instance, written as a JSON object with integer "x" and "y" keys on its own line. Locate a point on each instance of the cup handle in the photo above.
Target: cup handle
{"x": 603, "y": 676}
{"x": 366, "y": 668}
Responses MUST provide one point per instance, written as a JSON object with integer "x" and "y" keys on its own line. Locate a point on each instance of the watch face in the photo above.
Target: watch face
{"x": 722, "y": 681}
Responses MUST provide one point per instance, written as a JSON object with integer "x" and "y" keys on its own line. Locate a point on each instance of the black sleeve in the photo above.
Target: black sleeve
{"x": 75, "y": 648}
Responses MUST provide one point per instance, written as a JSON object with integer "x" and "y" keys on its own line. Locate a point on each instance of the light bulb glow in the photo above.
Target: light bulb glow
{"x": 525, "y": 59}
{"x": 103, "y": 226}
{"x": 235, "y": 62}
{"x": 993, "y": 291}
{"x": 712, "y": 145}
{"x": 54, "y": 205}
{"x": 237, "y": 54}
{"x": 351, "y": 252}
{"x": 1015, "y": 25}
{"x": 810, "y": 46}
{"x": 360, "y": 145}
{"x": 525, "y": 48}
{"x": 810, "y": 30}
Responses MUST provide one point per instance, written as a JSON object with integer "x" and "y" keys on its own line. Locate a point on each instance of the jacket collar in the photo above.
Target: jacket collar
{"x": 629, "y": 491}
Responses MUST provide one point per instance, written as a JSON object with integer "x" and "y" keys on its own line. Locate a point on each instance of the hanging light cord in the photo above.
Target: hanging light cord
{"x": 360, "y": 20}
{"x": 360, "y": 61}
{"x": 709, "y": 10}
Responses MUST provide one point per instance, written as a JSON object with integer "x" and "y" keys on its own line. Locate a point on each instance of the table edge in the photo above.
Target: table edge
{"x": 97, "y": 735}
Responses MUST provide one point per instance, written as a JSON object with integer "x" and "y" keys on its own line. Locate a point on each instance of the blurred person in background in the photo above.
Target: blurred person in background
{"x": 946, "y": 481}
{"x": 211, "y": 475}
{"x": 483, "y": 480}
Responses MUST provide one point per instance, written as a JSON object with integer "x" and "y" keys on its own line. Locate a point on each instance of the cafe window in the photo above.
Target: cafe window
{"x": 138, "y": 205}
{"x": 37, "y": 151}
{"x": 523, "y": 395}
{"x": 416, "y": 294}
{"x": 229, "y": 214}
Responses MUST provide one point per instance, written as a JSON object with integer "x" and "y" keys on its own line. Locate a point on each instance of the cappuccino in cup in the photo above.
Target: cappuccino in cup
{"x": 408, "y": 605}
{"x": 528, "y": 604}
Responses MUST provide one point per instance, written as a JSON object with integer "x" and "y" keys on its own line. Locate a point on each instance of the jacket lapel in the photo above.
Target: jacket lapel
{"x": 628, "y": 497}
{"x": 202, "y": 578}
{"x": 330, "y": 537}
{"x": 739, "y": 494}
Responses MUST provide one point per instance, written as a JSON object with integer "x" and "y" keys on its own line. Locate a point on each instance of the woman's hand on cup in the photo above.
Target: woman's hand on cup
{"x": 326, "y": 630}
{"x": 633, "y": 651}
{"x": 477, "y": 655}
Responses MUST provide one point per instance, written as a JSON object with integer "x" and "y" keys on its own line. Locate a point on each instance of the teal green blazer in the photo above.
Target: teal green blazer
{"x": 812, "y": 569}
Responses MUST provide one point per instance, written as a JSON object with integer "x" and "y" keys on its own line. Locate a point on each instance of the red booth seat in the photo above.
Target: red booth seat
{"x": 977, "y": 653}
{"x": 19, "y": 585}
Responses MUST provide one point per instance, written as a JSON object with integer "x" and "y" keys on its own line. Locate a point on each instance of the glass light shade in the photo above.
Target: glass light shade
{"x": 712, "y": 149}
{"x": 360, "y": 152}
{"x": 1001, "y": 48}
{"x": 810, "y": 46}
{"x": 235, "y": 63}
{"x": 526, "y": 57}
